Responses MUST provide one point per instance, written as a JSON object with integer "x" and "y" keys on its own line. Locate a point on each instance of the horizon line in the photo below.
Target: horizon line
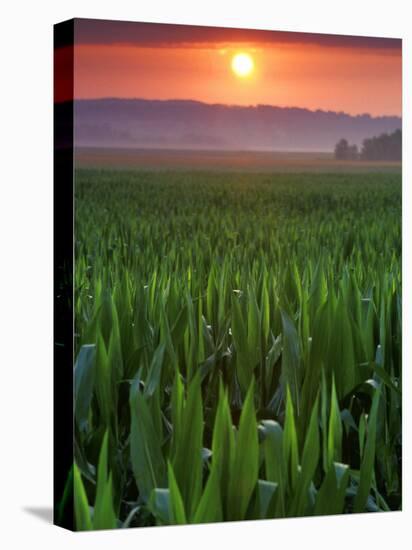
{"x": 232, "y": 105}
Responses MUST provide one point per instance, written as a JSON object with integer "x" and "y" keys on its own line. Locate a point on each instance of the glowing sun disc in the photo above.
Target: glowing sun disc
{"x": 242, "y": 64}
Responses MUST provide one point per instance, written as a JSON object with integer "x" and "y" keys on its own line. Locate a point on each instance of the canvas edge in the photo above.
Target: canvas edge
{"x": 63, "y": 265}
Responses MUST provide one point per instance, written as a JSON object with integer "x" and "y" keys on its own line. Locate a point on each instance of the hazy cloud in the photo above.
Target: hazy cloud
{"x": 92, "y": 31}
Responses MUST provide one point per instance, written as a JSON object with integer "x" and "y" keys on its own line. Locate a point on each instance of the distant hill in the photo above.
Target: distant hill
{"x": 182, "y": 124}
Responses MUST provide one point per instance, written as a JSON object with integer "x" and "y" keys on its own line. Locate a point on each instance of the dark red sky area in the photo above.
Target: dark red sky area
{"x": 154, "y": 61}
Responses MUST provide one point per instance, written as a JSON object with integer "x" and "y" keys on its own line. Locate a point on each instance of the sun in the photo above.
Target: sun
{"x": 242, "y": 64}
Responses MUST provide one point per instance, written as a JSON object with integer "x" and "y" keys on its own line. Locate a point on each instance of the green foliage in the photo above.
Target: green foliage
{"x": 188, "y": 439}
{"x": 243, "y": 471}
{"x": 238, "y": 344}
{"x": 145, "y": 445}
{"x": 102, "y": 516}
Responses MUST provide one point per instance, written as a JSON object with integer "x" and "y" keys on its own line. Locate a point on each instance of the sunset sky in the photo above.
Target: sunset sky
{"x": 137, "y": 60}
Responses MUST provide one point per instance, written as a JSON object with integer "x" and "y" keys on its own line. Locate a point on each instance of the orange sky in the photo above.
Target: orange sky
{"x": 341, "y": 75}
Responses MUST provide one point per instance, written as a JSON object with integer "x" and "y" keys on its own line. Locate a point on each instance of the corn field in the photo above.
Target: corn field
{"x": 238, "y": 346}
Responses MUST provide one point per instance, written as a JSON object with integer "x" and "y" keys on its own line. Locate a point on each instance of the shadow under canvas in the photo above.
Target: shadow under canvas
{"x": 45, "y": 513}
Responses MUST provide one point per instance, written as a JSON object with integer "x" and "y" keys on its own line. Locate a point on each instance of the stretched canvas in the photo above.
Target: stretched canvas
{"x": 228, "y": 291}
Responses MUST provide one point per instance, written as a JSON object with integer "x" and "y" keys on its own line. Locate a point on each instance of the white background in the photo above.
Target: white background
{"x": 26, "y": 272}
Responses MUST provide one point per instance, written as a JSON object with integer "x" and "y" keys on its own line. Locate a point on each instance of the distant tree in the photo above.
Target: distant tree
{"x": 344, "y": 151}
{"x": 353, "y": 153}
{"x": 341, "y": 149}
{"x": 383, "y": 147}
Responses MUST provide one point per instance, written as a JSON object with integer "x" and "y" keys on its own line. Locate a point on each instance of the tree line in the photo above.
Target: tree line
{"x": 383, "y": 147}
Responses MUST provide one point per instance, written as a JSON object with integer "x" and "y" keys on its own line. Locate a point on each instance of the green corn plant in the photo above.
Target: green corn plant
{"x": 238, "y": 339}
{"x": 103, "y": 515}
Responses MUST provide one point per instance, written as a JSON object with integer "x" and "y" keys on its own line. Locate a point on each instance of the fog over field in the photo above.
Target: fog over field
{"x": 183, "y": 124}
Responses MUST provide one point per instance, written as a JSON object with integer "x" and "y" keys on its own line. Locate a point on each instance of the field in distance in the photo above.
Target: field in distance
{"x": 244, "y": 161}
